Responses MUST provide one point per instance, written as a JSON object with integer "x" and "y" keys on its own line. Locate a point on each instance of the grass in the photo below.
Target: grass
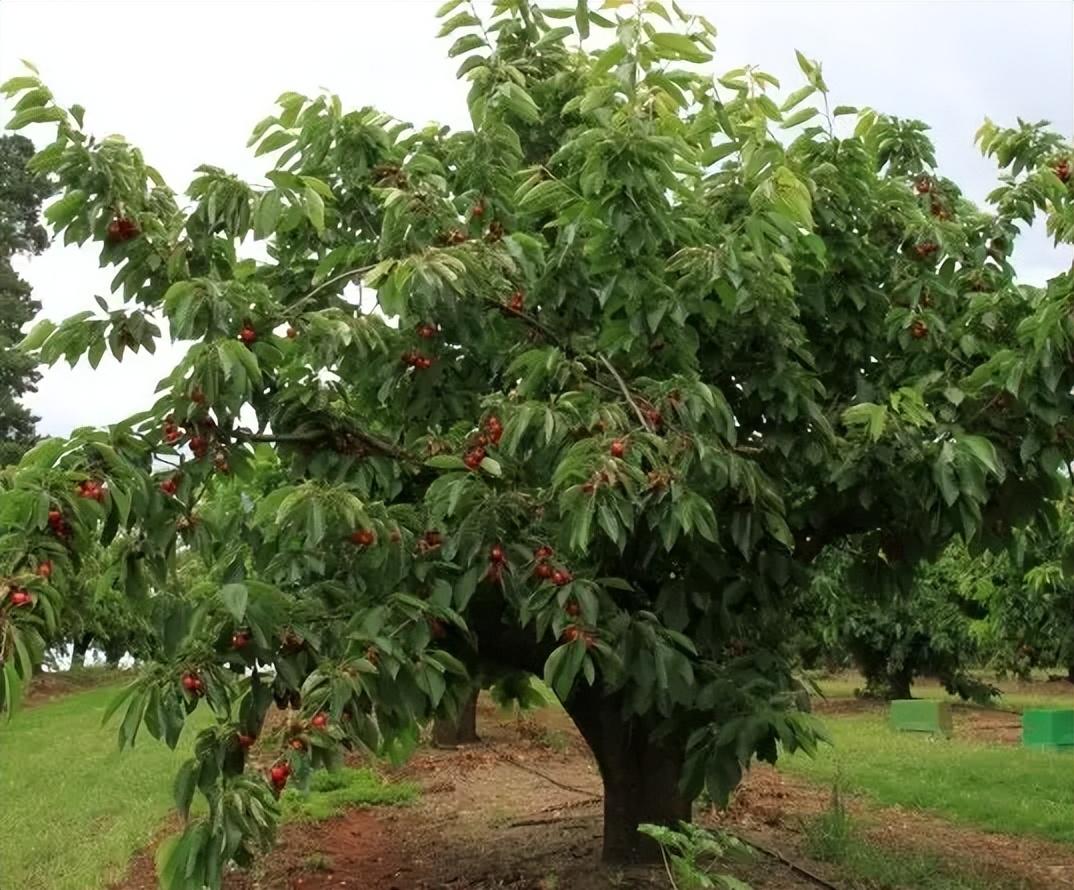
{"x": 333, "y": 793}
{"x": 1002, "y": 789}
{"x": 1014, "y": 699}
{"x": 833, "y": 836}
{"x": 73, "y": 807}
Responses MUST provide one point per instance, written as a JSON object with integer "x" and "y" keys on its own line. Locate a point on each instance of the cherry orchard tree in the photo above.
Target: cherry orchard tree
{"x": 580, "y": 392}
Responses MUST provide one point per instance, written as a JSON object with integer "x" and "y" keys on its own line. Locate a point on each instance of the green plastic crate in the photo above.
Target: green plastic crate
{"x": 921, "y": 715}
{"x": 1048, "y": 729}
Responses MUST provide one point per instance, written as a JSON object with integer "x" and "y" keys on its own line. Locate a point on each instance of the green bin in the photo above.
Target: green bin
{"x": 1048, "y": 729}
{"x": 921, "y": 715}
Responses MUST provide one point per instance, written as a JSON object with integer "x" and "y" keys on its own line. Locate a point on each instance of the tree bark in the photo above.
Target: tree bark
{"x": 899, "y": 685}
{"x": 79, "y": 651}
{"x": 460, "y": 731}
{"x": 641, "y": 775}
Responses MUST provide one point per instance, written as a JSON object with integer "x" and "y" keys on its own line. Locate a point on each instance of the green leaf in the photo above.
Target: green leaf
{"x": 799, "y": 117}
{"x": 798, "y": 96}
{"x": 28, "y": 116}
{"x": 447, "y": 7}
{"x": 185, "y": 783}
{"x": 462, "y": 20}
{"x": 235, "y": 597}
{"x": 38, "y": 335}
{"x": 581, "y": 18}
{"x": 983, "y": 450}
{"x": 680, "y": 46}
{"x": 314, "y": 204}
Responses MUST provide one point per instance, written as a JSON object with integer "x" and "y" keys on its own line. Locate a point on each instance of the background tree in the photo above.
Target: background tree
{"x": 928, "y": 630}
{"x": 645, "y": 345}
{"x": 21, "y": 194}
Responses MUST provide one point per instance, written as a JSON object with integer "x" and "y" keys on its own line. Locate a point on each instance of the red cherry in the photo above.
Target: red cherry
{"x": 477, "y": 210}
{"x": 926, "y": 249}
{"x": 247, "y": 334}
{"x": 298, "y": 744}
{"x": 923, "y": 185}
{"x": 618, "y": 448}
{"x": 919, "y": 330}
{"x": 55, "y": 518}
{"x": 1062, "y": 170}
{"x": 496, "y": 554}
{"x": 543, "y": 571}
{"x": 122, "y": 229}
{"x": 517, "y": 302}
{"x": 543, "y": 552}
{"x": 363, "y": 537}
{"x": 172, "y": 435}
{"x": 319, "y": 720}
{"x": 191, "y": 682}
{"x": 474, "y": 457}
{"x": 427, "y": 331}
{"x": 44, "y": 569}
{"x": 424, "y": 362}
{"x": 169, "y": 487}
{"x": 197, "y": 396}
{"x": 572, "y": 608}
{"x": 561, "y": 577}
{"x": 20, "y": 598}
{"x": 292, "y": 333}
{"x": 279, "y": 774}
{"x": 570, "y": 634}
{"x": 246, "y": 741}
{"x": 240, "y": 639}
{"x": 437, "y": 628}
{"x": 432, "y": 538}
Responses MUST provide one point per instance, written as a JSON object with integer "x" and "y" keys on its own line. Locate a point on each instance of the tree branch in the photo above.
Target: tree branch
{"x": 626, "y": 392}
{"x": 374, "y": 442}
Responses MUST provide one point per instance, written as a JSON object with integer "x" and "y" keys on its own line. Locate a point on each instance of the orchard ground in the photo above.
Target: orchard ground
{"x": 522, "y": 808}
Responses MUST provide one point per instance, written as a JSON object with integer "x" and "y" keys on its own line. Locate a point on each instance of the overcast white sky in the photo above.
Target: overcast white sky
{"x": 187, "y": 79}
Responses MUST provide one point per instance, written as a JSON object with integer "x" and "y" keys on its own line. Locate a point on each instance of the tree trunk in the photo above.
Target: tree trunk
{"x": 641, "y": 776}
{"x": 79, "y": 651}
{"x": 462, "y": 730}
{"x": 899, "y": 685}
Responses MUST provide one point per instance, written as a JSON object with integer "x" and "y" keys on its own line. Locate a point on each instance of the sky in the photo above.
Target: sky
{"x": 186, "y": 80}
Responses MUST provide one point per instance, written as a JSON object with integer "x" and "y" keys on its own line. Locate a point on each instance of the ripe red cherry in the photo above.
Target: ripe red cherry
{"x": 572, "y": 608}
{"x": 20, "y": 598}
{"x": 517, "y": 302}
{"x": 923, "y": 185}
{"x": 197, "y": 396}
{"x": 55, "y": 518}
{"x": 247, "y": 334}
{"x": 240, "y": 639}
{"x": 44, "y": 569}
{"x": 496, "y": 553}
{"x": 279, "y": 774}
{"x": 570, "y": 634}
{"x": 363, "y": 537}
{"x": 618, "y": 448}
{"x": 292, "y": 333}
{"x": 543, "y": 552}
{"x": 1062, "y": 170}
{"x": 543, "y": 571}
{"x": 477, "y": 210}
{"x": 926, "y": 249}
{"x": 169, "y": 487}
{"x": 561, "y": 577}
{"x": 320, "y": 720}
{"x": 199, "y": 446}
{"x": 122, "y": 229}
{"x": 919, "y": 330}
{"x": 298, "y": 744}
{"x": 423, "y": 362}
{"x": 474, "y": 457}
{"x": 654, "y": 417}
{"x": 246, "y": 741}
{"x": 191, "y": 682}
{"x": 427, "y": 331}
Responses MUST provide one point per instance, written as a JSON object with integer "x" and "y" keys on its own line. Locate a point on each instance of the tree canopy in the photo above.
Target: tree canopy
{"x": 21, "y": 194}
{"x": 582, "y": 392}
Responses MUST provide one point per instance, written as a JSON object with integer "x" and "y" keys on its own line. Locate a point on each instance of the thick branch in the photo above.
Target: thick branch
{"x": 374, "y": 442}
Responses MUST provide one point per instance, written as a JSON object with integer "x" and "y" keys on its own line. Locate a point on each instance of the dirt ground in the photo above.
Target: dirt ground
{"x": 521, "y": 810}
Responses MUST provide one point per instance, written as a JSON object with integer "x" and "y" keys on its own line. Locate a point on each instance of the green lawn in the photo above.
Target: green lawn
{"x": 1013, "y": 698}
{"x": 72, "y": 807}
{"x": 999, "y": 788}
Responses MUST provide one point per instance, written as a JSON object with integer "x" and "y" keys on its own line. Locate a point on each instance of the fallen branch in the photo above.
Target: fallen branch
{"x": 789, "y": 863}
{"x": 548, "y": 778}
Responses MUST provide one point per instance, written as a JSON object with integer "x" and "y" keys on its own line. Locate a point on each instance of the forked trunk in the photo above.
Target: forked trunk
{"x": 460, "y": 731}
{"x": 641, "y": 776}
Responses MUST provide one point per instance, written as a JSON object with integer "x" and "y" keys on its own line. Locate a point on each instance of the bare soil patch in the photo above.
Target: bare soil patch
{"x": 521, "y": 810}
